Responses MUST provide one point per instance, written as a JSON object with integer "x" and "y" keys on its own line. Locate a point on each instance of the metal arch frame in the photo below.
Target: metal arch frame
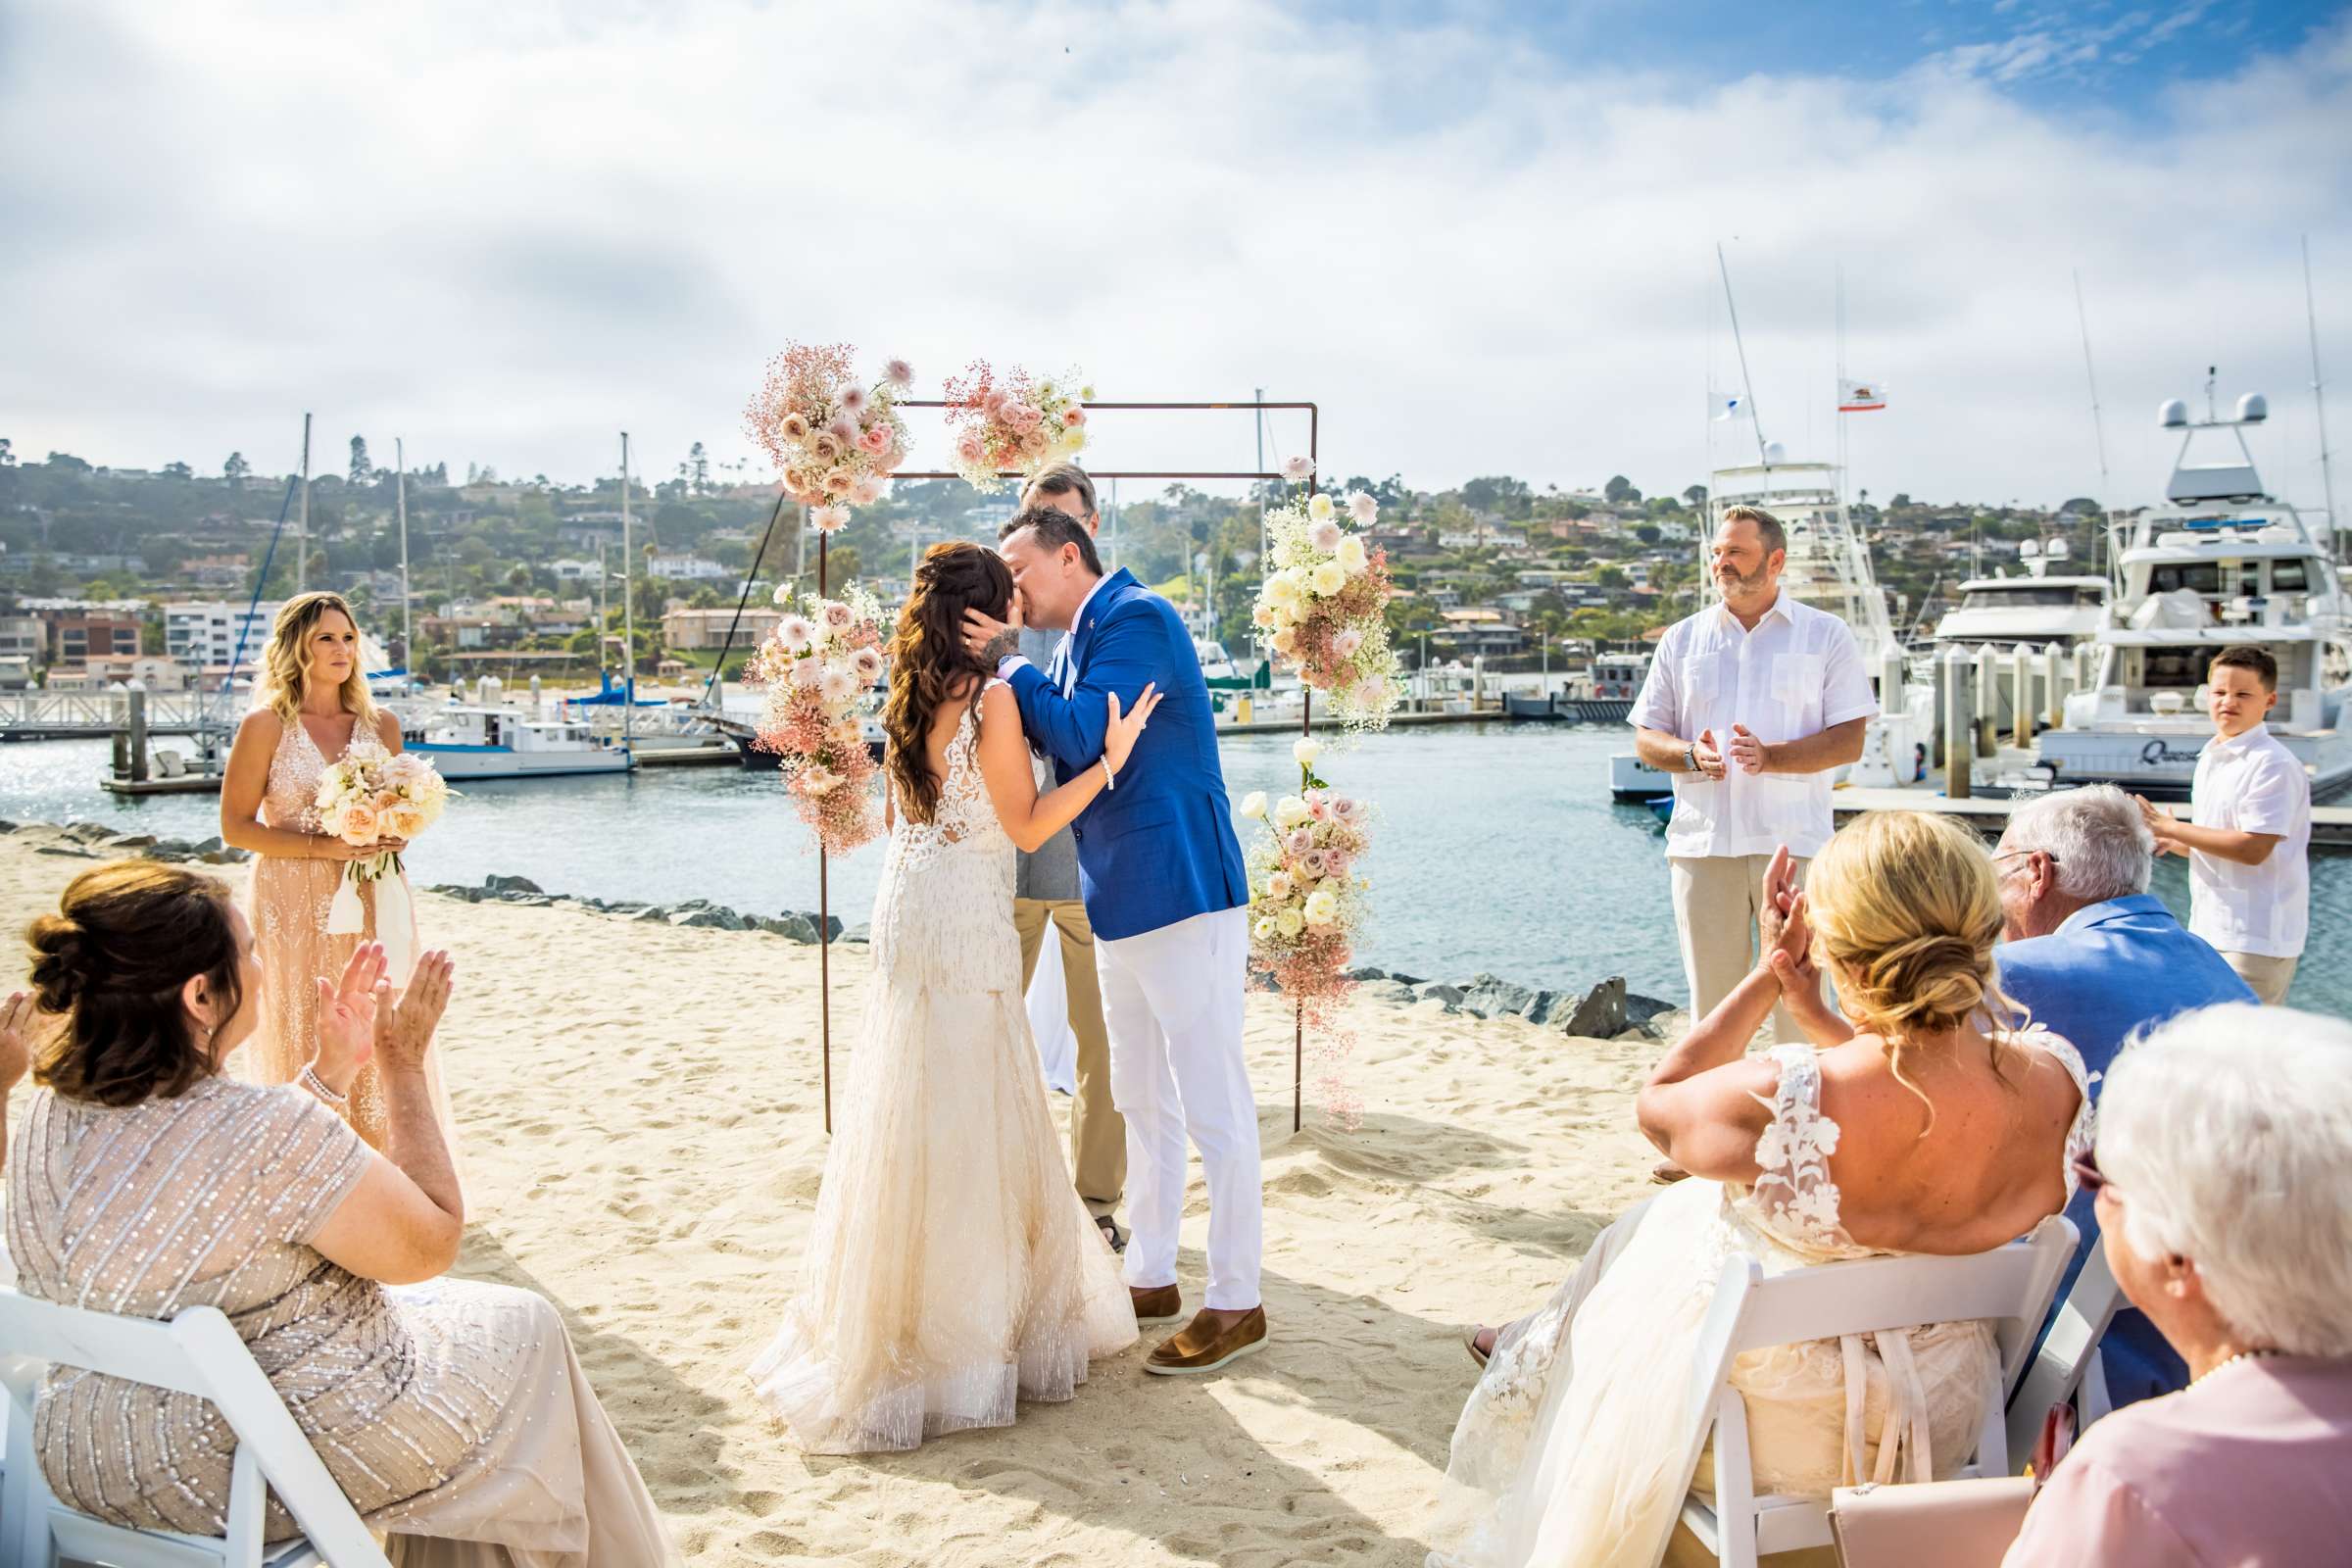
{"x": 1315, "y": 431}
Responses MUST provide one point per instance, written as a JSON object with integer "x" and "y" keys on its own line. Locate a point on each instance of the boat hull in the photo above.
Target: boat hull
{"x": 2161, "y": 762}
{"x": 459, "y": 764}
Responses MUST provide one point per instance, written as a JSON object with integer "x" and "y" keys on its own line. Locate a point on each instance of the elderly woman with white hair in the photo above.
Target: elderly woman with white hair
{"x": 2223, "y": 1168}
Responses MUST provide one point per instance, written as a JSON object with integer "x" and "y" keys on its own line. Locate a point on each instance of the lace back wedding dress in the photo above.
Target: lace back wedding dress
{"x": 1567, "y": 1451}
{"x": 952, "y": 1268}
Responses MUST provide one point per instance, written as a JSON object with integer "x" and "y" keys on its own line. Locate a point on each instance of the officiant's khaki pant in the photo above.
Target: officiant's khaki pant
{"x": 1097, "y": 1133}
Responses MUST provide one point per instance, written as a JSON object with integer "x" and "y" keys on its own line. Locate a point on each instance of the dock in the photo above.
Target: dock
{"x": 2330, "y": 825}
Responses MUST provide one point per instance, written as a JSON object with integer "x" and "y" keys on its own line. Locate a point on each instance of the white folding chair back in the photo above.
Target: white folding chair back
{"x": 2011, "y": 1285}
{"x": 2068, "y": 1361}
{"x": 198, "y": 1353}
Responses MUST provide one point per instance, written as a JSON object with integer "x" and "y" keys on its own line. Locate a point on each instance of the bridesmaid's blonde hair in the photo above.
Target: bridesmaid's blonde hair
{"x": 285, "y": 664}
{"x": 1905, "y": 909}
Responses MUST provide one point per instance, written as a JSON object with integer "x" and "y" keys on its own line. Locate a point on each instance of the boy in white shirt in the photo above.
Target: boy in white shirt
{"x": 2248, "y": 837}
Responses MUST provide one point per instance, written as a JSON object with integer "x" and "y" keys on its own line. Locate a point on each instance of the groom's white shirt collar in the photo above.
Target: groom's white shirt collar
{"x": 1012, "y": 662}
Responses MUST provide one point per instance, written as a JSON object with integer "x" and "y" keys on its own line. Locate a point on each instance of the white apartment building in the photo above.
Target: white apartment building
{"x": 685, "y": 569}
{"x": 205, "y": 635}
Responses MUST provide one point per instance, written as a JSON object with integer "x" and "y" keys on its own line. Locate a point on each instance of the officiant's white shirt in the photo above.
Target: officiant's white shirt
{"x": 1797, "y": 673}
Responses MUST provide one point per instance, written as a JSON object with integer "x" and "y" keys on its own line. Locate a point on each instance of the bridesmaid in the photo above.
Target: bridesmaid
{"x": 310, "y": 710}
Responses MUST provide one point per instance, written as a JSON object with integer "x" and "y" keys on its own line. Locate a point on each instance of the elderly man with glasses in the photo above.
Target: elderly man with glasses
{"x": 2093, "y": 955}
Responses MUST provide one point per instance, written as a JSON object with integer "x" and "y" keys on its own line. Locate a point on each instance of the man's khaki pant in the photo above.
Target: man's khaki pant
{"x": 1716, "y": 899}
{"x": 2269, "y": 977}
{"x": 1097, "y": 1133}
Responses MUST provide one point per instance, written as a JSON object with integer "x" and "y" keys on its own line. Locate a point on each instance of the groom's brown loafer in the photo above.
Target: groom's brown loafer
{"x": 1204, "y": 1345}
{"x": 1157, "y": 1303}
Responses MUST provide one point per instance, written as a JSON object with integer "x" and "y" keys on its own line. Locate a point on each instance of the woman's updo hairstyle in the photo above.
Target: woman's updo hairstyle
{"x": 1905, "y": 909}
{"x": 112, "y": 961}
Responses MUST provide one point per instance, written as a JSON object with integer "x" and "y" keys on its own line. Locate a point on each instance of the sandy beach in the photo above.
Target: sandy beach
{"x": 641, "y": 1116}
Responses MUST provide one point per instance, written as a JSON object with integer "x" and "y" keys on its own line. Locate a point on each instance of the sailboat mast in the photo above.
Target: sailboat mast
{"x": 628, "y": 608}
{"x": 400, "y": 493}
{"x": 2319, "y": 399}
{"x": 302, "y": 526}
{"x": 1755, "y": 417}
{"x": 2098, "y": 424}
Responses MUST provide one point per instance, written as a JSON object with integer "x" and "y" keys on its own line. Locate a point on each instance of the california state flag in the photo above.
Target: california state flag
{"x": 1861, "y": 396}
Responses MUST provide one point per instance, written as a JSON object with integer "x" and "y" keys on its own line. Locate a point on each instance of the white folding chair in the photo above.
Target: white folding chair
{"x": 2068, "y": 1364}
{"x": 198, "y": 1353}
{"x": 2010, "y": 1285}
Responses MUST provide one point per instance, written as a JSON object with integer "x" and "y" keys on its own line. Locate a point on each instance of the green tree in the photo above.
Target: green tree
{"x": 697, "y": 468}
{"x": 67, "y": 462}
{"x": 1612, "y": 577}
{"x": 1646, "y": 532}
{"x": 1619, "y": 490}
{"x": 1697, "y": 495}
{"x": 236, "y": 469}
{"x": 179, "y": 471}
{"x": 8, "y": 452}
{"x": 360, "y": 469}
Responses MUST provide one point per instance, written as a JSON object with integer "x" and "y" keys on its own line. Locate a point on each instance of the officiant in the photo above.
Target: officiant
{"x": 1045, "y": 899}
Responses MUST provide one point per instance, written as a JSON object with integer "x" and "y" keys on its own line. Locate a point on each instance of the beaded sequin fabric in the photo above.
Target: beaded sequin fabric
{"x": 952, "y": 1269}
{"x": 288, "y": 911}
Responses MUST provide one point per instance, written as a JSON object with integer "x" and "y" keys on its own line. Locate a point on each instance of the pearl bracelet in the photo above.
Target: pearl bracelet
{"x": 317, "y": 1084}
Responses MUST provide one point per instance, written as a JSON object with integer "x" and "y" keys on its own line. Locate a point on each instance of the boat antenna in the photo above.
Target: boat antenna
{"x": 1755, "y": 419}
{"x": 628, "y": 612}
{"x": 2091, "y": 373}
{"x": 2319, "y": 399}
{"x": 408, "y": 643}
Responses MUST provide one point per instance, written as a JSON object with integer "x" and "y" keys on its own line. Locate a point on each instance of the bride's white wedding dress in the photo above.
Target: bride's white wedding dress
{"x": 952, "y": 1268}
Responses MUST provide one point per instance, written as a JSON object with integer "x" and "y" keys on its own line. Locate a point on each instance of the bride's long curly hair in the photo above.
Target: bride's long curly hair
{"x": 929, "y": 665}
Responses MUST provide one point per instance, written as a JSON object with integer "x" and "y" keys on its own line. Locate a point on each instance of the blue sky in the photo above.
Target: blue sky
{"x": 1482, "y": 237}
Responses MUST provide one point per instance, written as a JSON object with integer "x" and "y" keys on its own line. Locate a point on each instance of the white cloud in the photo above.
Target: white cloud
{"x": 508, "y": 232}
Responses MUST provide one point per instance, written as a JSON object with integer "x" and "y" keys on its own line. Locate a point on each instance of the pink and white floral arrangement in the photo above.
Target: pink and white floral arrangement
{"x": 1307, "y": 905}
{"x": 1011, "y": 424}
{"x": 362, "y": 801}
{"x": 819, "y": 667}
{"x": 1324, "y": 601}
{"x": 835, "y": 439}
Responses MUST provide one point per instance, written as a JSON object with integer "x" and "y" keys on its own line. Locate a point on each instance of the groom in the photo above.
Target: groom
{"x": 1161, "y": 875}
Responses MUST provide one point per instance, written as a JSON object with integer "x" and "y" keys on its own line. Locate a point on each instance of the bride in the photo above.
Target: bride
{"x": 952, "y": 1268}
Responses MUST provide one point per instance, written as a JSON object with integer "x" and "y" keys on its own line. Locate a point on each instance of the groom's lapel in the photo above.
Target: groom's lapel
{"x": 1097, "y": 607}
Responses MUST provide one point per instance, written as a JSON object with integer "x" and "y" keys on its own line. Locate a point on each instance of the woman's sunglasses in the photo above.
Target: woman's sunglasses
{"x": 2088, "y": 1175}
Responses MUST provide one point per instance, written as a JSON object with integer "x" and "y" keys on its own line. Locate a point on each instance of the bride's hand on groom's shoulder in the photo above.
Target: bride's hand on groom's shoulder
{"x": 1120, "y": 734}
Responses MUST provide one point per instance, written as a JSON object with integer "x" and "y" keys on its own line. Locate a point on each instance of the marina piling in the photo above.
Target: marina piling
{"x": 2021, "y": 700}
{"x": 1984, "y": 679}
{"x": 1958, "y": 714}
{"x": 2055, "y": 685}
{"x": 136, "y": 731}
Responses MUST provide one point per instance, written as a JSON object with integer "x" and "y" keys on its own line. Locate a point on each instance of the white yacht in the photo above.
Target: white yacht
{"x": 489, "y": 743}
{"x": 2219, "y": 563}
{"x": 2041, "y": 605}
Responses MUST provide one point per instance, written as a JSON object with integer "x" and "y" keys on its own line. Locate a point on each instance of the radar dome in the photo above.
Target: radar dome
{"x": 2171, "y": 413}
{"x": 1775, "y": 453}
{"x": 2253, "y": 409}
{"x": 2057, "y": 550}
{"x": 2028, "y": 548}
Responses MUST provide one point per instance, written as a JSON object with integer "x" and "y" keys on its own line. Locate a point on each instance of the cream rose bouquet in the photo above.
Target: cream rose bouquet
{"x": 362, "y": 800}
{"x": 819, "y": 666}
{"x": 1008, "y": 423}
{"x": 835, "y": 439}
{"x": 1324, "y": 605}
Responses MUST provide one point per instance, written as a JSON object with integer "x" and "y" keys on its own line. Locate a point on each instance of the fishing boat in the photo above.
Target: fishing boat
{"x": 479, "y": 743}
{"x": 2219, "y": 563}
{"x": 2039, "y": 605}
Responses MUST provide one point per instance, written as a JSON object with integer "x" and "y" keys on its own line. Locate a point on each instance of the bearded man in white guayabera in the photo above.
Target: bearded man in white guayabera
{"x": 1750, "y": 704}
{"x": 1167, "y": 895}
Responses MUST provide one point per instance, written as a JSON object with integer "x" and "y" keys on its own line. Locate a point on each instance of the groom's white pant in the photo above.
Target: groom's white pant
{"x": 1173, "y": 1001}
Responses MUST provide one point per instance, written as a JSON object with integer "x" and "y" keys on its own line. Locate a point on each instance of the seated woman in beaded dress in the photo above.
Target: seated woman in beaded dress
{"x": 1918, "y": 1127}
{"x": 143, "y": 1180}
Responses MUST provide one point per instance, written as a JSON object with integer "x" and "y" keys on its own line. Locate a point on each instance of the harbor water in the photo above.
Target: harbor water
{"x": 1496, "y": 848}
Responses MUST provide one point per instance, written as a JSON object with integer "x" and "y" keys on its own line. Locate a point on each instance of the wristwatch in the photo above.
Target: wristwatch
{"x": 1691, "y": 756}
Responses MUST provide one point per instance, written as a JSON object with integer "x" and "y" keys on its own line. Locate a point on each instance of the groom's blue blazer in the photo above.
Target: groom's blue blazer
{"x": 1159, "y": 847}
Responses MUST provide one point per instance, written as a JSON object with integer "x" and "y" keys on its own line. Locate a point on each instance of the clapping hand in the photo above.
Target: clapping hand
{"x": 16, "y": 1050}
{"x": 1782, "y": 919}
{"x": 1747, "y": 751}
{"x": 347, "y": 1011}
{"x": 1707, "y": 755}
{"x": 404, "y": 1026}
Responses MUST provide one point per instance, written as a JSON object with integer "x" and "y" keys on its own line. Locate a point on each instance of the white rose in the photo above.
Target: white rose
{"x": 1253, "y": 804}
{"x": 1278, "y": 886}
{"x": 1328, "y": 579}
{"x": 1266, "y": 928}
{"x": 1303, "y": 751}
{"x": 1280, "y": 590}
{"x": 1289, "y": 923}
{"x": 1322, "y": 906}
{"x": 1291, "y": 811}
{"x": 1321, "y": 508}
{"x": 1351, "y": 557}
{"x": 1286, "y": 641}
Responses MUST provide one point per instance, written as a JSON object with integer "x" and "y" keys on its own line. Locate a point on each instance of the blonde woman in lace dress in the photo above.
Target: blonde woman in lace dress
{"x": 144, "y": 1181}
{"x": 1917, "y": 1128}
{"x": 313, "y": 711}
{"x": 952, "y": 1269}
